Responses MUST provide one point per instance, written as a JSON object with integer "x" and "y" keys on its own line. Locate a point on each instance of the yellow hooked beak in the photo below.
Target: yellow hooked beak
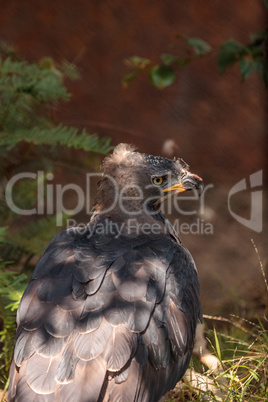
{"x": 179, "y": 188}
{"x": 190, "y": 181}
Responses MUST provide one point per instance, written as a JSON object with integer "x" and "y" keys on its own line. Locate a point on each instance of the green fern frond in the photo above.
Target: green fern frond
{"x": 60, "y": 135}
{"x": 20, "y": 77}
{"x": 12, "y": 286}
{"x": 26, "y": 92}
{"x": 11, "y": 251}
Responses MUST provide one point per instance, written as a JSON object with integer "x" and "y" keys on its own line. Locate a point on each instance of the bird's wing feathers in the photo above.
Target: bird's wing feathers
{"x": 105, "y": 318}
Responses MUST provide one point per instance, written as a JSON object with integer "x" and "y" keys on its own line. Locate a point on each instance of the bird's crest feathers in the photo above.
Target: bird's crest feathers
{"x": 120, "y": 154}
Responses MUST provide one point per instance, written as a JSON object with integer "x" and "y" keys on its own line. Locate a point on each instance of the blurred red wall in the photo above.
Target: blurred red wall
{"x": 217, "y": 123}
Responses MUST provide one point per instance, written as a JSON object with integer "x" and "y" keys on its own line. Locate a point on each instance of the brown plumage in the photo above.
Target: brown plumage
{"x": 110, "y": 313}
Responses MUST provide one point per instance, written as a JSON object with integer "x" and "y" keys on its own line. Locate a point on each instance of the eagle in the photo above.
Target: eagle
{"x": 110, "y": 312}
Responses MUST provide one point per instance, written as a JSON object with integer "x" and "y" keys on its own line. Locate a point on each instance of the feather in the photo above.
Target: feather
{"x": 133, "y": 256}
{"x": 90, "y": 345}
{"x": 29, "y": 307}
{"x": 57, "y": 258}
{"x": 78, "y": 290}
{"x": 97, "y": 300}
{"x": 51, "y": 289}
{"x": 131, "y": 282}
{"x": 120, "y": 347}
{"x": 107, "y": 286}
{"x": 156, "y": 339}
{"x": 66, "y": 369}
{"x": 118, "y": 264}
{"x": 62, "y": 269}
{"x": 87, "y": 269}
{"x": 160, "y": 290}
{"x": 178, "y": 330}
{"x": 59, "y": 323}
{"x": 32, "y": 321}
{"x": 100, "y": 241}
{"x": 94, "y": 284}
{"x": 89, "y": 321}
{"x": 13, "y": 381}
{"x": 126, "y": 391}
{"x": 122, "y": 376}
{"x": 141, "y": 356}
{"x": 35, "y": 323}
{"x": 150, "y": 387}
{"x": 41, "y": 373}
{"x": 161, "y": 311}
{"x": 87, "y": 384}
{"x": 47, "y": 266}
{"x": 175, "y": 371}
{"x": 151, "y": 291}
{"x": 164, "y": 248}
{"x": 154, "y": 269}
{"x": 139, "y": 316}
{"x": 68, "y": 303}
{"x": 118, "y": 310}
{"x": 24, "y": 393}
{"x": 45, "y": 344}
{"x": 61, "y": 252}
{"x": 23, "y": 346}
{"x": 121, "y": 153}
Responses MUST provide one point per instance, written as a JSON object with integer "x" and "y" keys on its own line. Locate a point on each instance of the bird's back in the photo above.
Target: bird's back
{"x": 105, "y": 318}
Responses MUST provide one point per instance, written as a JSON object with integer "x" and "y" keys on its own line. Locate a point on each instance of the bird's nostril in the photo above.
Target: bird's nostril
{"x": 192, "y": 181}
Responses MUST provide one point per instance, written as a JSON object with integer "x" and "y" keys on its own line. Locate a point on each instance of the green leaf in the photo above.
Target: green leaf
{"x": 257, "y": 49}
{"x": 169, "y": 58}
{"x": 162, "y": 76}
{"x": 247, "y": 67}
{"x": 254, "y": 374}
{"x": 258, "y": 35}
{"x": 129, "y": 77}
{"x": 230, "y": 52}
{"x": 266, "y": 3}
{"x": 12, "y": 286}
{"x": 217, "y": 344}
{"x": 183, "y": 61}
{"x": 262, "y": 69}
{"x": 200, "y": 46}
{"x": 138, "y": 62}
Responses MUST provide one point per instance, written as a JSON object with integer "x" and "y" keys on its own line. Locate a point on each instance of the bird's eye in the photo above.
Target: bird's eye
{"x": 158, "y": 181}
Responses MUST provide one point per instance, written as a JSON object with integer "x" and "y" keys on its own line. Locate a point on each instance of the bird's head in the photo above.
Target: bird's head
{"x": 133, "y": 181}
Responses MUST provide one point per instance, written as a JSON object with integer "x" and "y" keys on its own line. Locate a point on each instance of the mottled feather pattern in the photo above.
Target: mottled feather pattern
{"x": 95, "y": 320}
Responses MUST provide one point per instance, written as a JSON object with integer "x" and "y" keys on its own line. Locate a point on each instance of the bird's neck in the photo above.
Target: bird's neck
{"x": 115, "y": 223}
{"x": 112, "y": 200}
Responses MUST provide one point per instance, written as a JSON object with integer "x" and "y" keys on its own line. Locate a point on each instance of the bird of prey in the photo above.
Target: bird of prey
{"x": 110, "y": 312}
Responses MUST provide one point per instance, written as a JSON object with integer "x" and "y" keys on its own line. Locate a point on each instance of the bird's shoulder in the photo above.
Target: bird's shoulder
{"x": 99, "y": 249}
